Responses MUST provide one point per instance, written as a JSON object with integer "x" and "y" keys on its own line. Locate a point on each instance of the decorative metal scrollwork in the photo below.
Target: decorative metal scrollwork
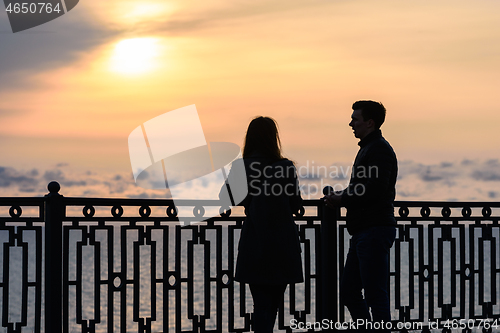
{"x": 425, "y": 211}
{"x": 466, "y": 211}
{"x": 15, "y": 211}
{"x": 446, "y": 212}
{"x": 486, "y": 211}
{"x": 225, "y": 212}
{"x": 117, "y": 211}
{"x": 198, "y": 211}
{"x": 300, "y": 212}
{"x": 442, "y": 265}
{"x": 145, "y": 211}
{"x": 172, "y": 211}
{"x": 88, "y": 211}
{"x": 404, "y": 211}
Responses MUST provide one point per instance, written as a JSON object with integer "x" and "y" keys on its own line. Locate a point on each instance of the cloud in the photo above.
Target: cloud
{"x": 14, "y": 182}
{"x": 452, "y": 181}
{"x": 444, "y": 171}
{"x": 486, "y": 175}
{"x": 449, "y": 181}
{"x": 51, "y": 175}
{"x": 309, "y": 171}
{"x": 60, "y": 42}
{"x": 195, "y": 16}
{"x": 430, "y": 175}
{"x": 466, "y": 180}
{"x": 55, "y": 44}
{"x": 10, "y": 176}
{"x": 489, "y": 171}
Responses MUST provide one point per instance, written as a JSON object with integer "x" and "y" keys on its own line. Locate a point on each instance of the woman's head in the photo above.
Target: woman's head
{"x": 262, "y": 138}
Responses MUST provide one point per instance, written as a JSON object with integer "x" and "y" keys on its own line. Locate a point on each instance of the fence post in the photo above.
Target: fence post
{"x": 329, "y": 265}
{"x": 54, "y": 213}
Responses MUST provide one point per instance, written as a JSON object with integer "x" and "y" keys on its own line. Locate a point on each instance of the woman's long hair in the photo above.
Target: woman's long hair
{"x": 262, "y": 139}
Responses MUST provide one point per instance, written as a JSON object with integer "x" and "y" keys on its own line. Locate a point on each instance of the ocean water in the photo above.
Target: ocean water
{"x": 144, "y": 252}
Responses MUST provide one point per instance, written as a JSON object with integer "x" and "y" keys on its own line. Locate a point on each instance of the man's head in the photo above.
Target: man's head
{"x": 367, "y": 117}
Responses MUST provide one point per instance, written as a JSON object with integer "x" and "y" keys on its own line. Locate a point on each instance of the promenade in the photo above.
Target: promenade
{"x": 138, "y": 265}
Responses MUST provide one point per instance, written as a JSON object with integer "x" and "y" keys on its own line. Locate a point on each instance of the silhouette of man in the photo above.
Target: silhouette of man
{"x": 369, "y": 199}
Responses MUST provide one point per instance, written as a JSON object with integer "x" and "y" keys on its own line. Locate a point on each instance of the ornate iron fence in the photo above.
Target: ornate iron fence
{"x": 143, "y": 265}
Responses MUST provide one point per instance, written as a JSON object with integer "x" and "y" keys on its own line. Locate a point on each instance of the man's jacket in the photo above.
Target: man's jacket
{"x": 369, "y": 198}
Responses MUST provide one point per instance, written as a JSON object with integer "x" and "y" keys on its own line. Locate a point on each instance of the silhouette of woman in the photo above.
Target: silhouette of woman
{"x": 269, "y": 250}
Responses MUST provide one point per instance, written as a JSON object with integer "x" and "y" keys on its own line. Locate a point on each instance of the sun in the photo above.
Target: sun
{"x": 134, "y": 56}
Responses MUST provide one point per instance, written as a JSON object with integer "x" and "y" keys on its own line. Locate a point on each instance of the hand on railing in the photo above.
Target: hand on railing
{"x": 332, "y": 198}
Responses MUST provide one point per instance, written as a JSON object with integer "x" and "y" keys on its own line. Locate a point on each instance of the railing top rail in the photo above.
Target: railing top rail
{"x": 5, "y": 201}
{"x": 191, "y": 202}
{"x": 156, "y": 202}
{"x": 450, "y": 204}
{"x": 28, "y": 201}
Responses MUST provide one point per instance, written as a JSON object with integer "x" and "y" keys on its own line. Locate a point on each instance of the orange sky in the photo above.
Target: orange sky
{"x": 434, "y": 65}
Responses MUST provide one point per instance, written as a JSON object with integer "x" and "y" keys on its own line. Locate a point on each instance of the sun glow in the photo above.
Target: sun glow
{"x": 126, "y": 14}
{"x": 134, "y": 56}
{"x": 141, "y": 11}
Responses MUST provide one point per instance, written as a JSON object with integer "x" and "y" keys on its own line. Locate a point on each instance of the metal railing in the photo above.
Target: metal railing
{"x": 144, "y": 265}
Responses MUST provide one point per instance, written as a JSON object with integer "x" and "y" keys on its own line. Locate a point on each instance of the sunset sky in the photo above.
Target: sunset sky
{"x": 73, "y": 89}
